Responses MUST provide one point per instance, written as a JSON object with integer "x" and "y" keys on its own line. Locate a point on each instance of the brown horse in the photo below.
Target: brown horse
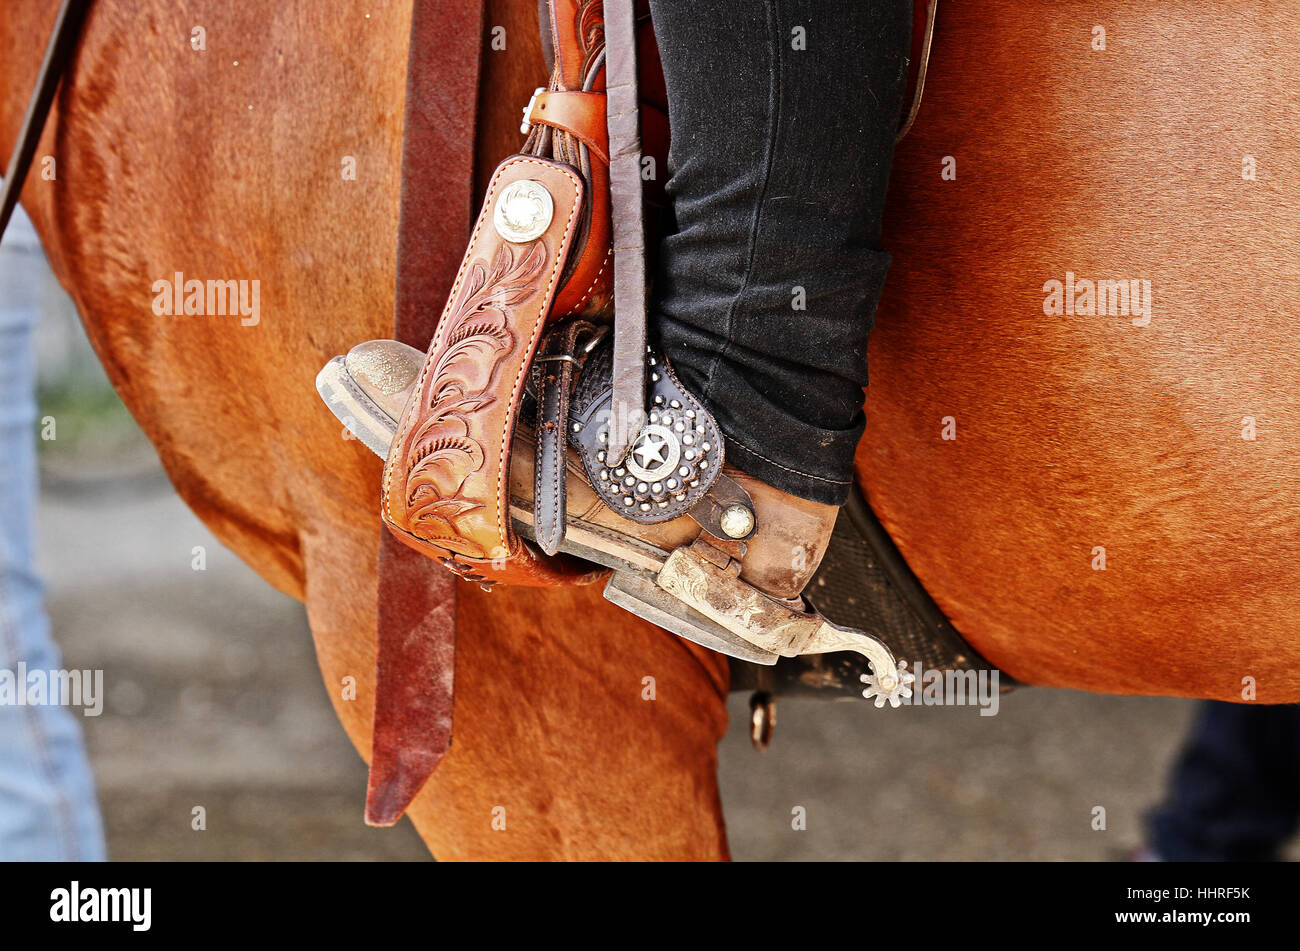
{"x": 1116, "y": 511}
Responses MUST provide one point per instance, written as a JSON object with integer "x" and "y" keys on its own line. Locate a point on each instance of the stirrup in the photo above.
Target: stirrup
{"x": 693, "y": 590}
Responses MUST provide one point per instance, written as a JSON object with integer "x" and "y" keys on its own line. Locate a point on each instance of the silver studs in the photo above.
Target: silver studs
{"x": 654, "y": 417}
{"x": 695, "y": 483}
{"x": 680, "y": 496}
{"x": 644, "y": 506}
{"x": 671, "y": 483}
{"x": 630, "y": 480}
{"x": 663, "y": 504}
{"x": 704, "y": 463}
{"x": 679, "y": 427}
{"x": 627, "y": 500}
{"x": 706, "y": 447}
{"x": 689, "y": 454}
{"x": 604, "y": 475}
{"x": 674, "y": 404}
{"x": 654, "y": 362}
{"x": 690, "y": 414}
{"x": 688, "y": 439}
{"x": 619, "y": 472}
{"x": 654, "y": 377}
{"x": 659, "y": 401}
{"x": 577, "y": 427}
{"x": 683, "y": 472}
{"x": 600, "y": 456}
{"x": 602, "y": 436}
{"x": 657, "y": 488}
{"x": 642, "y": 487}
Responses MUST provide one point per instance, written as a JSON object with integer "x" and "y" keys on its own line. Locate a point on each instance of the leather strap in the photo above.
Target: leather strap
{"x": 581, "y": 114}
{"x": 629, "y": 373}
{"x": 554, "y": 370}
{"x": 58, "y": 57}
{"x": 576, "y": 41}
{"x": 416, "y": 636}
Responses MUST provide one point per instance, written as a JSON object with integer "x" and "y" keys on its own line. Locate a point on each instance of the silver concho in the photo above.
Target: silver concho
{"x": 523, "y": 211}
{"x": 655, "y": 454}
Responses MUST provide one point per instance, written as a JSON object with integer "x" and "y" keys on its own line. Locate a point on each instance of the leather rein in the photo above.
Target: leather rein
{"x": 58, "y": 57}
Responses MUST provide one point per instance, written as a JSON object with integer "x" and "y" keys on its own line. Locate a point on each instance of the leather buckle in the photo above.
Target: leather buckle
{"x": 526, "y": 126}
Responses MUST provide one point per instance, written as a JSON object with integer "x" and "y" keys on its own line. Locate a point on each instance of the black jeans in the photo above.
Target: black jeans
{"x": 783, "y": 116}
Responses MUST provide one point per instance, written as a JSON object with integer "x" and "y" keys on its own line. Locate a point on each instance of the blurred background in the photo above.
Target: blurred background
{"x": 214, "y": 699}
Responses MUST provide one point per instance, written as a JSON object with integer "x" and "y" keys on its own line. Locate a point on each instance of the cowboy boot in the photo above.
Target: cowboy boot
{"x": 723, "y": 561}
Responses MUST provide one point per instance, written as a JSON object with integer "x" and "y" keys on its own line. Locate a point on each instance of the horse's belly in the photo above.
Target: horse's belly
{"x": 1100, "y": 493}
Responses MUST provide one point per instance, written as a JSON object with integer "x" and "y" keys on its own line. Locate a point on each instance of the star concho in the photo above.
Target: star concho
{"x": 667, "y": 460}
{"x": 523, "y": 211}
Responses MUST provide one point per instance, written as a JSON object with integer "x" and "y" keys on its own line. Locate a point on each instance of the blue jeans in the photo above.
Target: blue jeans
{"x": 48, "y": 809}
{"x": 1235, "y": 790}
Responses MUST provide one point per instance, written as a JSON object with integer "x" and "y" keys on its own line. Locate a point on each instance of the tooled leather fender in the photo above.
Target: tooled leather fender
{"x": 447, "y": 478}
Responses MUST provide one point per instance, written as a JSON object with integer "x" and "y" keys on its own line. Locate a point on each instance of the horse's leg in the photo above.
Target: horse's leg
{"x": 580, "y": 732}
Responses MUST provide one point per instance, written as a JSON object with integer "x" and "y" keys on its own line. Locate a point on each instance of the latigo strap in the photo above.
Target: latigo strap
{"x": 416, "y": 616}
{"x": 629, "y": 226}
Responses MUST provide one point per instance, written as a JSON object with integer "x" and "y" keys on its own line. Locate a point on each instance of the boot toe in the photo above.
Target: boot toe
{"x": 386, "y": 371}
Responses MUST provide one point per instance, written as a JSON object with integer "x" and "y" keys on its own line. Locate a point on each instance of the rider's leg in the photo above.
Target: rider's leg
{"x": 783, "y": 117}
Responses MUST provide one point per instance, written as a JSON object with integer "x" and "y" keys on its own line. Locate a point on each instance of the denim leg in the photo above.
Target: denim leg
{"x": 1235, "y": 790}
{"x": 783, "y": 117}
{"x": 48, "y": 809}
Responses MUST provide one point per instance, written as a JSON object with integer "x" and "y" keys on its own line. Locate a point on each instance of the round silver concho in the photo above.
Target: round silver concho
{"x": 523, "y": 211}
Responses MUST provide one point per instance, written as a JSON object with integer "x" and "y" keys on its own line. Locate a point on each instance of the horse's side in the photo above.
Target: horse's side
{"x": 1072, "y": 432}
{"x": 1079, "y": 433}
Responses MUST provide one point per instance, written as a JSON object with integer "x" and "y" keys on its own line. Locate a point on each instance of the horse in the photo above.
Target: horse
{"x": 1097, "y": 499}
